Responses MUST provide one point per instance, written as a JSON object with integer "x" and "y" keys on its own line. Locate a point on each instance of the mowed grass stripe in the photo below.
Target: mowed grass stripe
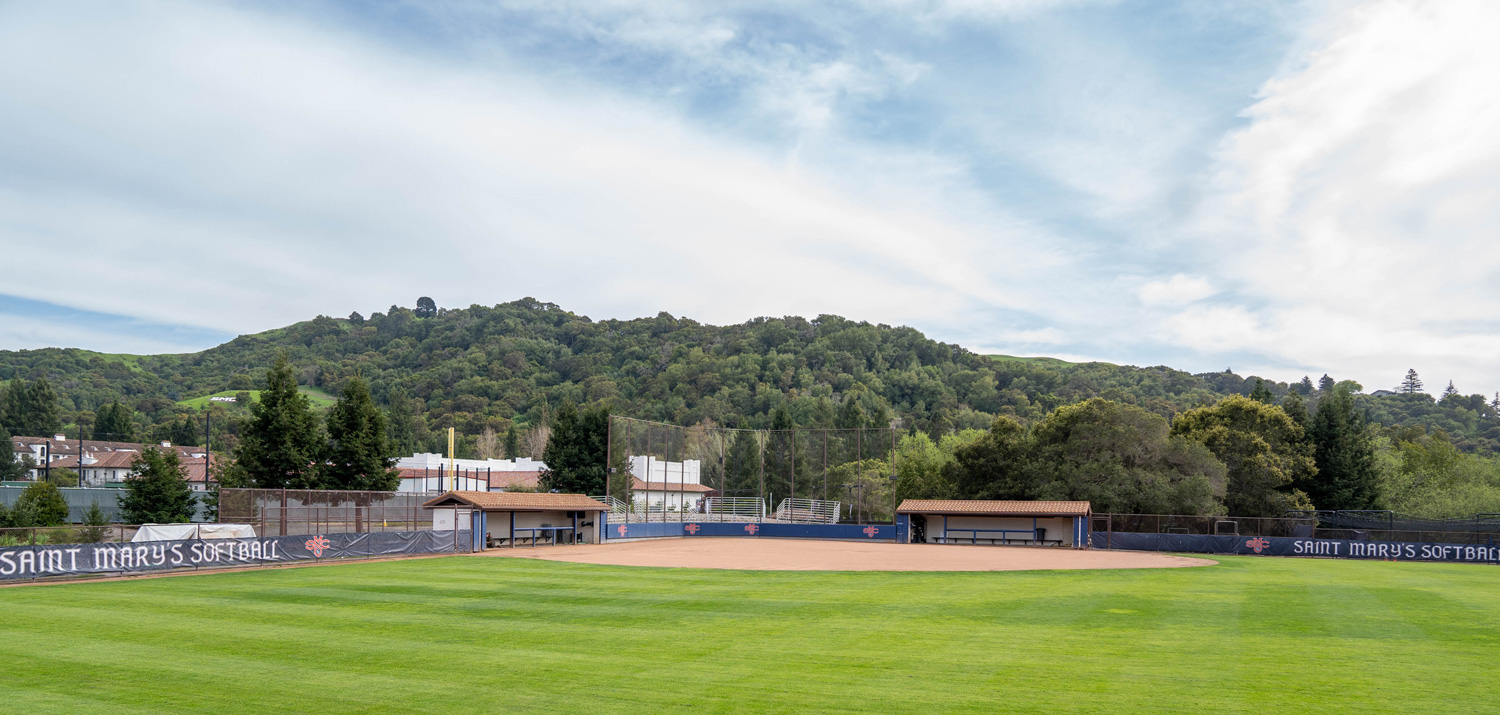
{"x": 474, "y": 635}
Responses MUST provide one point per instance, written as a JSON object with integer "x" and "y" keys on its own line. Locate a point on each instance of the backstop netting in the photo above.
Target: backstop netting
{"x": 662, "y": 472}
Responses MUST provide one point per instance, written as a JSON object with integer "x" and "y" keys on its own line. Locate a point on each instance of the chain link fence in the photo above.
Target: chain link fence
{"x": 1309, "y": 526}
{"x": 285, "y": 512}
{"x": 662, "y": 472}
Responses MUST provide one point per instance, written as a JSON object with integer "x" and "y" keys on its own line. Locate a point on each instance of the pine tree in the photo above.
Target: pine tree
{"x": 31, "y": 408}
{"x": 1450, "y": 391}
{"x": 851, "y": 415}
{"x": 1412, "y": 384}
{"x": 1296, "y": 409}
{"x": 157, "y": 491}
{"x": 279, "y": 446}
{"x": 576, "y": 451}
{"x": 1261, "y": 393}
{"x": 512, "y": 442}
{"x": 401, "y": 423}
{"x": 1347, "y": 476}
{"x": 115, "y": 423}
{"x": 358, "y": 453}
{"x": 1305, "y": 387}
{"x": 426, "y": 308}
{"x": 1325, "y": 383}
{"x": 11, "y": 470}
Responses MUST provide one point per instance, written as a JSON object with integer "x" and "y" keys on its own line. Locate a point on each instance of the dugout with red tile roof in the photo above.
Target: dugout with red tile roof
{"x": 974, "y": 521}
{"x": 530, "y": 518}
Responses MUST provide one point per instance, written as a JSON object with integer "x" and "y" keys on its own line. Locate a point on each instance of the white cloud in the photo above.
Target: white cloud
{"x": 216, "y": 168}
{"x": 1356, "y": 210}
{"x": 1177, "y": 290}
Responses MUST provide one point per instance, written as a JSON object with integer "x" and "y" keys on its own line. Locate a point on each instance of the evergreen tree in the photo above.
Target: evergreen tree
{"x": 1347, "y": 476}
{"x": 157, "y": 491}
{"x": 1261, "y": 393}
{"x": 1296, "y": 409}
{"x": 1305, "y": 387}
{"x": 787, "y": 458}
{"x": 576, "y": 451}
{"x": 512, "y": 442}
{"x": 402, "y": 425}
{"x": 115, "y": 423}
{"x": 279, "y": 446}
{"x": 1325, "y": 383}
{"x": 1412, "y": 384}
{"x": 1449, "y": 392}
{"x": 426, "y": 308}
{"x": 851, "y": 415}
{"x": 46, "y": 502}
{"x": 94, "y": 525}
{"x": 11, "y": 469}
{"x": 358, "y": 453}
{"x": 31, "y": 408}
{"x": 180, "y": 431}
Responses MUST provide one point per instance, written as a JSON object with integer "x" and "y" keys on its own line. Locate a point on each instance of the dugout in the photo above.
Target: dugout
{"x": 526, "y": 518}
{"x": 1031, "y": 523}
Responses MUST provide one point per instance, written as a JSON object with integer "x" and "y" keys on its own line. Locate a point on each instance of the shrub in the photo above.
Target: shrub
{"x": 47, "y": 501}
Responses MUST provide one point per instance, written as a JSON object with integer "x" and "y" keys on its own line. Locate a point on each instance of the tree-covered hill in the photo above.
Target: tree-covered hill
{"x": 492, "y": 368}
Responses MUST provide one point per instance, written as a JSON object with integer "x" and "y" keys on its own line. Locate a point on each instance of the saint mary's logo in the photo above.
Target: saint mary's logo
{"x": 870, "y": 531}
{"x": 622, "y": 529}
{"x": 1258, "y": 544}
{"x": 751, "y": 529}
{"x": 317, "y": 544}
{"x": 691, "y": 528}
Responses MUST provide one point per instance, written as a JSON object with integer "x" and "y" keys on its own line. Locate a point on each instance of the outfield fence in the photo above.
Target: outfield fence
{"x": 54, "y": 560}
{"x": 668, "y": 473}
{"x": 1311, "y": 526}
{"x": 286, "y": 512}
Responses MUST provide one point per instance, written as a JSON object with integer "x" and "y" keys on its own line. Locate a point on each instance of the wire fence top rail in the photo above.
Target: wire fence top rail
{"x": 1309, "y": 526}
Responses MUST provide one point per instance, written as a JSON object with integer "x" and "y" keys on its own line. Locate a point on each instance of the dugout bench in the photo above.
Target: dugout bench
{"x": 1032, "y": 536}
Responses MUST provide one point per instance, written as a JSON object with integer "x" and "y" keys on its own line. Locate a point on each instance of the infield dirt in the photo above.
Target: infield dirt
{"x": 815, "y": 555}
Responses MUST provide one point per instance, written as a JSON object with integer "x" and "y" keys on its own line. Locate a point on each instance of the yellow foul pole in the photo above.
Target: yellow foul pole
{"x": 451, "y": 473}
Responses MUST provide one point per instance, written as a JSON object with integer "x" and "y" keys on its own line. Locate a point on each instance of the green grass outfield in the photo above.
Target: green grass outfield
{"x": 463, "y": 634}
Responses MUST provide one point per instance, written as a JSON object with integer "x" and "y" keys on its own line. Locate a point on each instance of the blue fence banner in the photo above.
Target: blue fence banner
{"x": 659, "y": 530}
{"x": 1295, "y": 546}
{"x": 41, "y": 561}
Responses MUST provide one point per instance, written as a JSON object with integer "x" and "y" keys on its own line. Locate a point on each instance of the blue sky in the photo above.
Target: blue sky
{"x": 1283, "y": 188}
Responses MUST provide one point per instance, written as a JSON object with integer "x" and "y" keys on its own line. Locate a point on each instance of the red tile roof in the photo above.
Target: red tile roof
{"x": 639, "y": 485}
{"x": 994, "y": 508}
{"x": 518, "y": 501}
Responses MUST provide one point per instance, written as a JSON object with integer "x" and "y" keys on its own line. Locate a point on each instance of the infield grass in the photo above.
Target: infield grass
{"x": 464, "y": 634}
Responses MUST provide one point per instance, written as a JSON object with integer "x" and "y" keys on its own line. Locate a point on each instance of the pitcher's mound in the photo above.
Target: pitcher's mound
{"x": 811, "y": 555}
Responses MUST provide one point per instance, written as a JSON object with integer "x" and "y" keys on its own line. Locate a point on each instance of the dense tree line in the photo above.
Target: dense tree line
{"x": 505, "y": 368}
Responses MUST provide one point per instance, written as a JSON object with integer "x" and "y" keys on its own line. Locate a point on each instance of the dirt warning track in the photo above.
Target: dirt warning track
{"x": 814, "y": 555}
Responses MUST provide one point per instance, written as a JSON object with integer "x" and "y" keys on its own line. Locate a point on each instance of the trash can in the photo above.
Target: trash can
{"x": 1041, "y": 535}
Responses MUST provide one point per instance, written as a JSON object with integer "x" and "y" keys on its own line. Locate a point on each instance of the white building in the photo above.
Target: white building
{"x": 672, "y": 486}
{"x": 429, "y": 472}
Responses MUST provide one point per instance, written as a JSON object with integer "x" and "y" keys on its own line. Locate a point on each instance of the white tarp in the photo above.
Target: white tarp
{"x": 182, "y": 532}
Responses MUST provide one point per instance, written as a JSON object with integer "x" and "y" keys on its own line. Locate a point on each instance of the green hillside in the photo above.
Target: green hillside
{"x": 320, "y": 400}
{"x": 490, "y": 367}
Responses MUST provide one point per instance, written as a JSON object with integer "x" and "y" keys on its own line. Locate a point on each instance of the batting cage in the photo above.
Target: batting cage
{"x": 706, "y": 473}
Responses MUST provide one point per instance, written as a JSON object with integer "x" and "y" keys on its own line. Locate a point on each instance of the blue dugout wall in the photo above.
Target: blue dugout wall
{"x": 659, "y": 530}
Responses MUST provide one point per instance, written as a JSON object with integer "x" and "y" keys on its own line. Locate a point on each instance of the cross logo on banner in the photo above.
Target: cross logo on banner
{"x": 691, "y": 528}
{"x": 751, "y": 529}
{"x": 622, "y": 530}
{"x": 870, "y": 531}
{"x": 316, "y": 545}
{"x": 1257, "y": 544}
